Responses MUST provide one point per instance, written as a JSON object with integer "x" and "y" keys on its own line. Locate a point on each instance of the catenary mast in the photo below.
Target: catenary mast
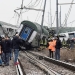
{"x": 57, "y": 17}
{"x": 43, "y": 16}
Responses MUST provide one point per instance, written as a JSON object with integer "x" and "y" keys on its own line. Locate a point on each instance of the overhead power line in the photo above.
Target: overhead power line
{"x": 71, "y": 21}
{"x": 38, "y": 15}
{"x": 67, "y": 16}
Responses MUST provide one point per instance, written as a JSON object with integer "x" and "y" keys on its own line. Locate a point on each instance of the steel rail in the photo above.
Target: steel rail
{"x": 41, "y": 65}
{"x": 19, "y": 69}
{"x": 57, "y": 62}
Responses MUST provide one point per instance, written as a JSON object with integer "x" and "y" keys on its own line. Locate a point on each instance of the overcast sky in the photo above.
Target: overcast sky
{"x": 8, "y": 15}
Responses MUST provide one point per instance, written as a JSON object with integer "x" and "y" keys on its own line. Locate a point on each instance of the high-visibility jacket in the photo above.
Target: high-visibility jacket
{"x": 45, "y": 43}
{"x": 52, "y": 45}
{"x": 41, "y": 42}
{"x": 54, "y": 41}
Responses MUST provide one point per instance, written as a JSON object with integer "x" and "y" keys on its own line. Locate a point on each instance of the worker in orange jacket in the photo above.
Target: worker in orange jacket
{"x": 51, "y": 47}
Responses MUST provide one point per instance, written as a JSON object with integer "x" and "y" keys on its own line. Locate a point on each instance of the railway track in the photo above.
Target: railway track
{"x": 38, "y": 63}
{"x": 11, "y": 69}
{"x": 57, "y": 62}
{"x": 19, "y": 68}
{"x": 61, "y": 67}
{"x": 29, "y": 67}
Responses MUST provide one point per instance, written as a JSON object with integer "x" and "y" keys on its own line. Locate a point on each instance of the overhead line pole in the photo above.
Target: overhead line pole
{"x": 57, "y": 17}
{"x": 60, "y": 16}
{"x": 57, "y": 30}
{"x": 50, "y": 15}
{"x": 43, "y": 16}
{"x": 22, "y": 4}
{"x": 19, "y": 14}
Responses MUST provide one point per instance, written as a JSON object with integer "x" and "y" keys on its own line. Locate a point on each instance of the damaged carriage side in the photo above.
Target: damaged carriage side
{"x": 30, "y": 34}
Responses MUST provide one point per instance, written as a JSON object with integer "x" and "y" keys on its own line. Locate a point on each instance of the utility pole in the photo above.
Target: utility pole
{"x": 20, "y": 16}
{"x": 50, "y": 15}
{"x": 43, "y": 16}
{"x": 57, "y": 17}
{"x": 60, "y": 16}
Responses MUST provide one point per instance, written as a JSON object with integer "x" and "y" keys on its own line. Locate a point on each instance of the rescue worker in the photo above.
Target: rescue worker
{"x": 43, "y": 42}
{"x": 64, "y": 43}
{"x": 58, "y": 46}
{"x": 51, "y": 47}
{"x": 54, "y": 44}
{"x": 68, "y": 43}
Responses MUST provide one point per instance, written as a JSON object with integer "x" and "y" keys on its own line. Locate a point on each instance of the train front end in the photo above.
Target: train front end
{"x": 27, "y": 32}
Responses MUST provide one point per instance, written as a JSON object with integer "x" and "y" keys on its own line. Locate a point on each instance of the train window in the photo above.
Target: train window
{"x": 71, "y": 35}
{"x": 26, "y": 30}
{"x": 62, "y": 35}
{"x": 74, "y": 34}
{"x": 10, "y": 29}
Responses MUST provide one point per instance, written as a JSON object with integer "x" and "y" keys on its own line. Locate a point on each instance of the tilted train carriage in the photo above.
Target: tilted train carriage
{"x": 30, "y": 34}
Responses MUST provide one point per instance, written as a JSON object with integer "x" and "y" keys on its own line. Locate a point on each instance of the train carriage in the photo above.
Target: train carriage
{"x": 30, "y": 33}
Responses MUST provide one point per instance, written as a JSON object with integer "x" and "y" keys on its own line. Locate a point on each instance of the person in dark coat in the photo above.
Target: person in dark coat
{"x": 6, "y": 44}
{"x": 0, "y": 50}
{"x": 58, "y": 46}
{"x": 16, "y": 43}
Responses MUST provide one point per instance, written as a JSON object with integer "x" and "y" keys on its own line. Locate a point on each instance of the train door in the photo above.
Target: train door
{"x": 25, "y": 33}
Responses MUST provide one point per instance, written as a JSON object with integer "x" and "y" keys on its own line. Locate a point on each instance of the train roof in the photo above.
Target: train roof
{"x": 8, "y": 25}
{"x": 36, "y": 27}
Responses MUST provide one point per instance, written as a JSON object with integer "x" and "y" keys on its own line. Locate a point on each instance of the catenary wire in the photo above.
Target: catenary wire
{"x": 68, "y": 12}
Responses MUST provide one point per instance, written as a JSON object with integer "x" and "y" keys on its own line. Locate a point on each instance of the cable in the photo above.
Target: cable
{"x": 71, "y": 21}
{"x": 54, "y": 19}
{"x": 31, "y": 5}
{"x": 12, "y": 18}
{"x": 37, "y": 17}
{"x": 38, "y": 3}
{"x": 68, "y": 13}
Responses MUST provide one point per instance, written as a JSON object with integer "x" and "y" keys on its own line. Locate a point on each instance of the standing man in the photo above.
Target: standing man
{"x": 0, "y": 50}
{"x": 3, "y": 50}
{"x": 16, "y": 42}
{"x": 58, "y": 46}
{"x": 6, "y": 50}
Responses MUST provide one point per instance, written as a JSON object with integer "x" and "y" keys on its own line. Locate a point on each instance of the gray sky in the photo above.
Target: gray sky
{"x": 8, "y": 15}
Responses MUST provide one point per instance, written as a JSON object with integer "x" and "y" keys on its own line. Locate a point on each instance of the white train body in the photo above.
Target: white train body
{"x": 67, "y": 35}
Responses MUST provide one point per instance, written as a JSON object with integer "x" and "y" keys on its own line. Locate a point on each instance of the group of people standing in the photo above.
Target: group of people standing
{"x": 7, "y": 46}
{"x": 54, "y": 45}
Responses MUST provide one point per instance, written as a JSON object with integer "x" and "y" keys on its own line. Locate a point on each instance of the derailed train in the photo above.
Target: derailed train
{"x": 30, "y": 34}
